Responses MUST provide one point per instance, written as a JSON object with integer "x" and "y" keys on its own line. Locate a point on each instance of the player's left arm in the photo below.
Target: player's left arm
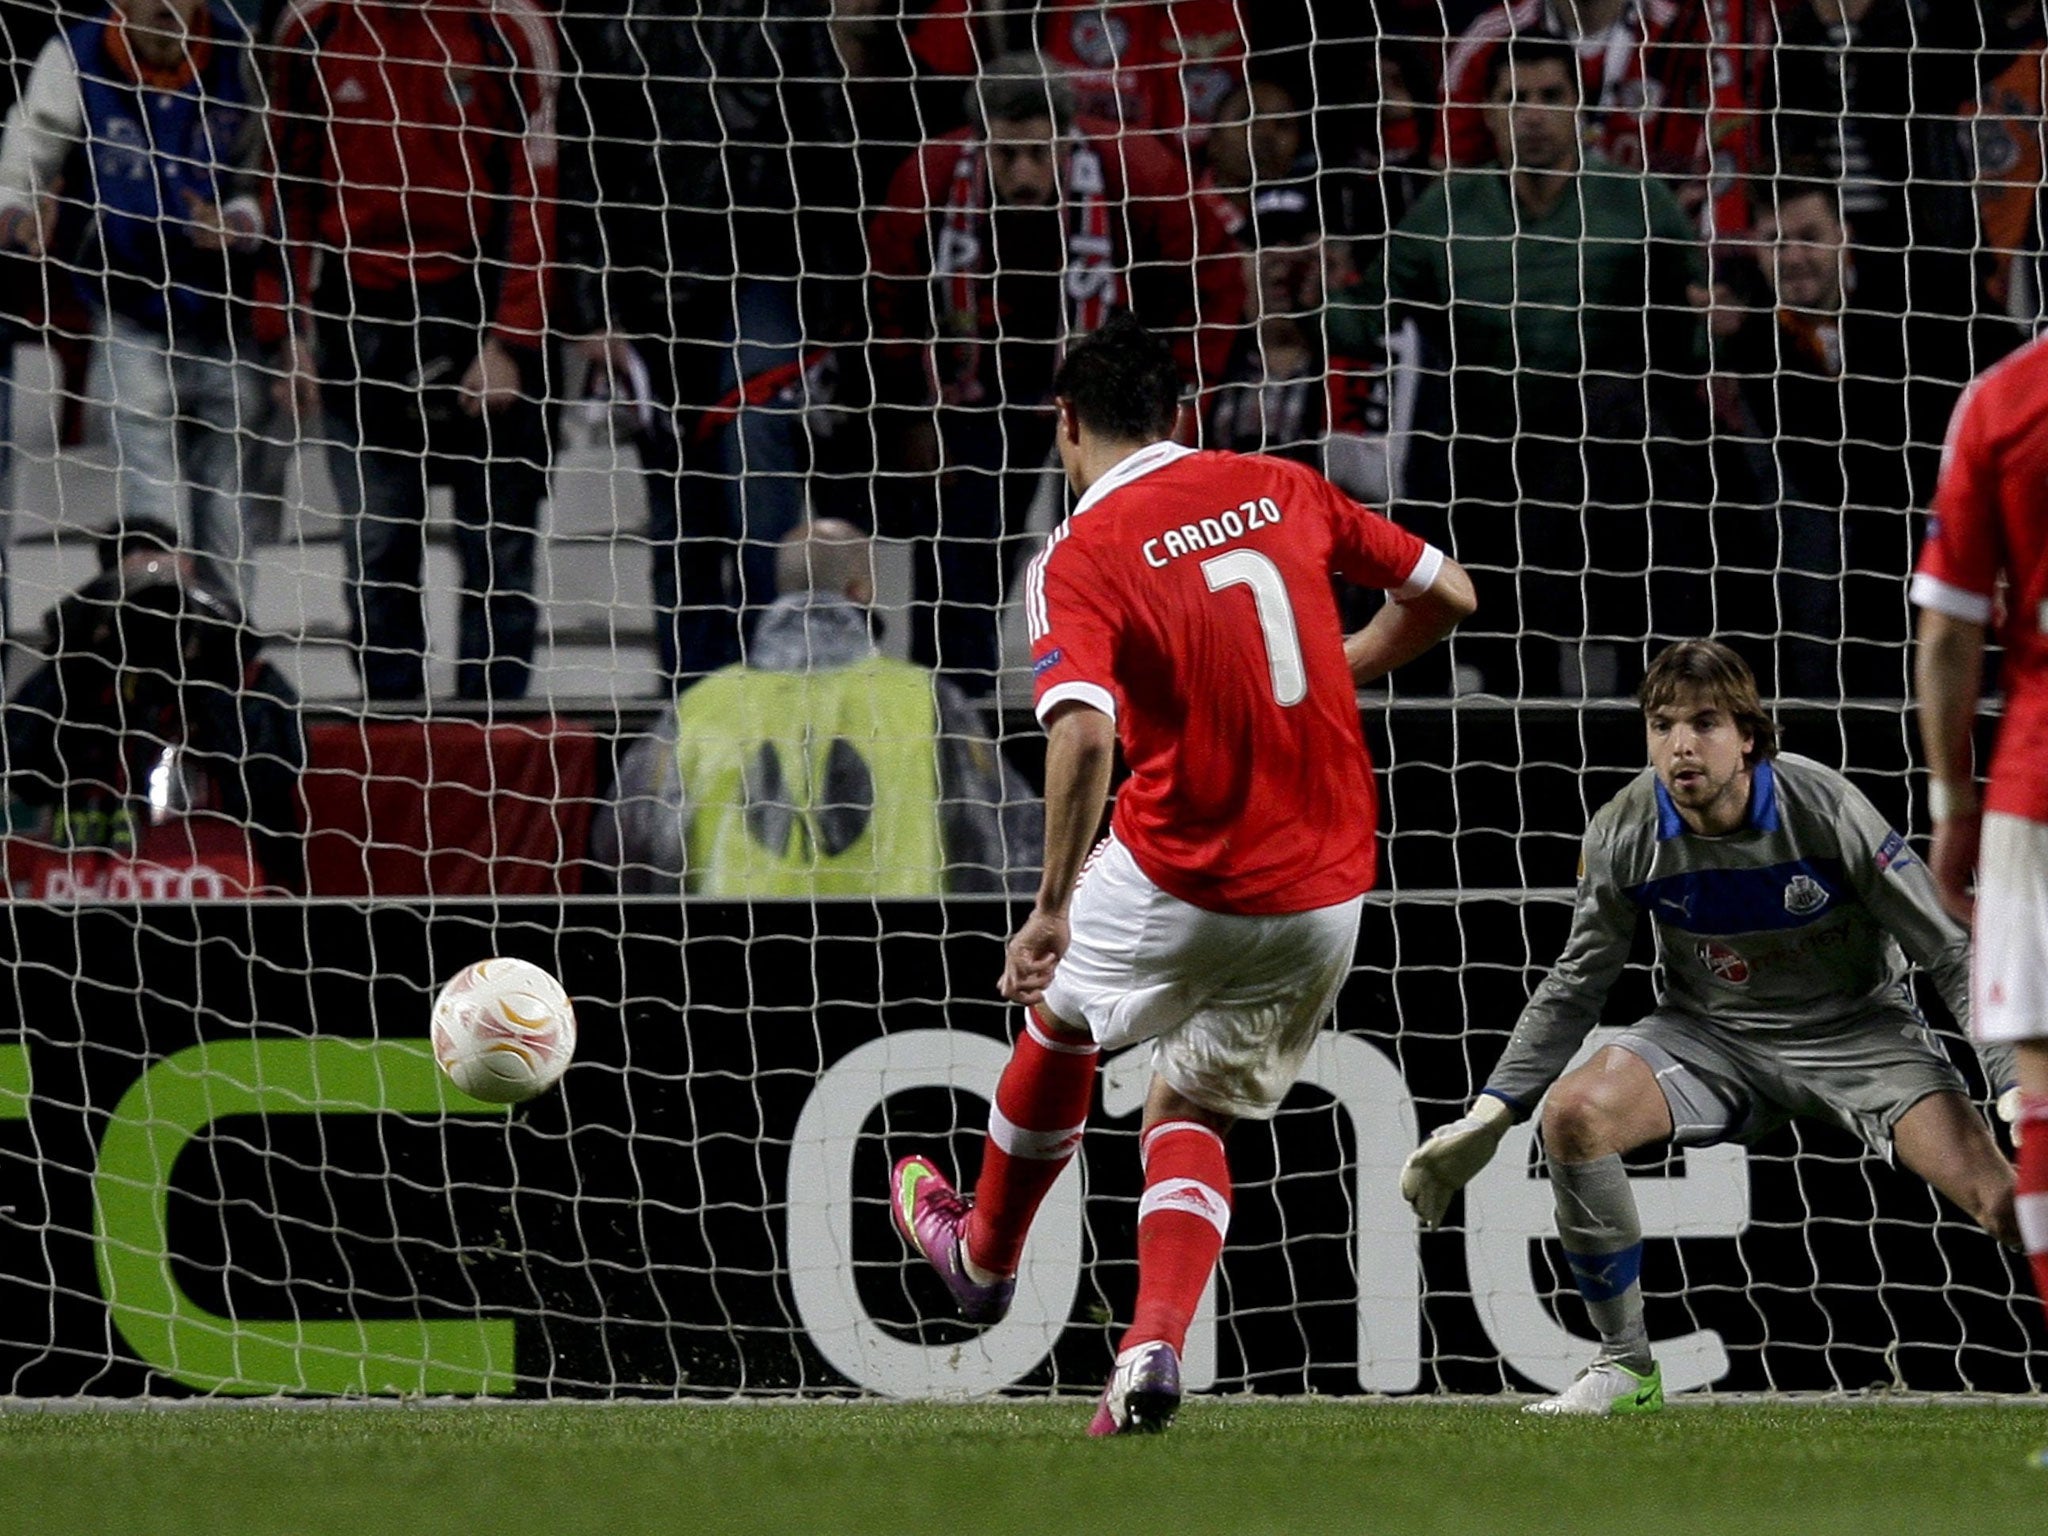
{"x": 1080, "y": 751}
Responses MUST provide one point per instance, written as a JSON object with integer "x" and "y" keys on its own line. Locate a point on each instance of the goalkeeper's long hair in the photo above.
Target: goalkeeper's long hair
{"x": 1710, "y": 670}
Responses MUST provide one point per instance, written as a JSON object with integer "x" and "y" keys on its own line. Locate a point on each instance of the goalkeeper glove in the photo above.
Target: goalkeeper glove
{"x": 1453, "y": 1154}
{"x": 2008, "y": 1106}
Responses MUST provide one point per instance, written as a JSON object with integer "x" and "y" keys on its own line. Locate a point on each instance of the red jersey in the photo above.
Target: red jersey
{"x": 1148, "y": 66}
{"x": 1990, "y": 526}
{"x": 419, "y": 138}
{"x": 1189, "y": 598}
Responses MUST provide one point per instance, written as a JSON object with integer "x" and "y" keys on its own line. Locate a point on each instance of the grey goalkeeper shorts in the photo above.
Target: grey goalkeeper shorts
{"x": 1722, "y": 1086}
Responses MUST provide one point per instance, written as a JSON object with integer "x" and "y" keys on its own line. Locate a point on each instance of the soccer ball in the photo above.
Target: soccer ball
{"x": 503, "y": 1030}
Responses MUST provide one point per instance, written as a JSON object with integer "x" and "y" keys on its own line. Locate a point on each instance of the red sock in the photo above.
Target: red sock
{"x": 1034, "y": 1128}
{"x": 2032, "y": 1194}
{"x": 1181, "y": 1222}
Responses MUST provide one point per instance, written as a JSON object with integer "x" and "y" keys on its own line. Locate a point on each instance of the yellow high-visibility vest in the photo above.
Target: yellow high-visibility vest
{"x": 812, "y": 783}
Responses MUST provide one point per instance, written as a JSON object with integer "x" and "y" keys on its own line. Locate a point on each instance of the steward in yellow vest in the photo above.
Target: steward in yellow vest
{"x": 819, "y": 767}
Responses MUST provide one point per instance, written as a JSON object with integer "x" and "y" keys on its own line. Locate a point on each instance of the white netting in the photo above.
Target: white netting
{"x": 486, "y": 351}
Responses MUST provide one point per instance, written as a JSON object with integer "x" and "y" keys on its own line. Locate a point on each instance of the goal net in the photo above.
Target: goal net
{"x": 498, "y": 477}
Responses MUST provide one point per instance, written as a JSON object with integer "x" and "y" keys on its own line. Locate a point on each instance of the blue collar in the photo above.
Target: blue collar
{"x": 1763, "y": 805}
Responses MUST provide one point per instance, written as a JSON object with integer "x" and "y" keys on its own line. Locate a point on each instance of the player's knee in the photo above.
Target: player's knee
{"x": 1582, "y": 1119}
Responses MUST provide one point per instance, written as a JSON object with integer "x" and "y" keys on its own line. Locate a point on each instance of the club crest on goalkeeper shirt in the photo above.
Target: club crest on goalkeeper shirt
{"x": 1804, "y": 895}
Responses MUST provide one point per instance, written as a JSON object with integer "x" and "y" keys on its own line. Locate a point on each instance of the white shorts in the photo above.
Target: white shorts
{"x": 1231, "y": 1004}
{"x": 2009, "y": 971}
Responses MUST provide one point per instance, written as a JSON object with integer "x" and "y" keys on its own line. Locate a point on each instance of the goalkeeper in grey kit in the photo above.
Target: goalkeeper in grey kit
{"x": 1781, "y": 902}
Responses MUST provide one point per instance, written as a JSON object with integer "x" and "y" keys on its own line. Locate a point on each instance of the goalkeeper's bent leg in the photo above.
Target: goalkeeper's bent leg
{"x": 1603, "y": 1241}
{"x": 1034, "y": 1128}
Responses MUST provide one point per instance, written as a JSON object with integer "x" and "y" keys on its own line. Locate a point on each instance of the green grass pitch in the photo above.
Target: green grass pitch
{"x": 1240, "y": 1467}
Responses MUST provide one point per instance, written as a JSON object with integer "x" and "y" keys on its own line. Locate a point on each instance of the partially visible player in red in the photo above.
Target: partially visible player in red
{"x": 1185, "y": 609}
{"x": 1986, "y": 563}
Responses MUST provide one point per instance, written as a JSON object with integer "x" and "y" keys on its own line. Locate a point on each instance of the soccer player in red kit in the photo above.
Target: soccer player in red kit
{"x": 1185, "y": 609}
{"x": 1986, "y": 562}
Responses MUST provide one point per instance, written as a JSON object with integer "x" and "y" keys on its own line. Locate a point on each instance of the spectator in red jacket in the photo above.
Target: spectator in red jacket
{"x": 415, "y": 147}
{"x": 1155, "y": 66}
{"x": 998, "y": 242}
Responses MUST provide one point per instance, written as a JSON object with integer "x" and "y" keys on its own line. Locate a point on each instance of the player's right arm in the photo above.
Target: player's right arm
{"x": 1074, "y": 626}
{"x": 1564, "y": 1007}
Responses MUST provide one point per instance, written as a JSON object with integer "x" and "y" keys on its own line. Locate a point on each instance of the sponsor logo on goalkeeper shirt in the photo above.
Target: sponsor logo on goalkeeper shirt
{"x": 1723, "y": 962}
{"x": 1893, "y": 854}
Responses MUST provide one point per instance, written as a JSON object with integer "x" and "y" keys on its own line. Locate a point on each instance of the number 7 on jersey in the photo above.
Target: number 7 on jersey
{"x": 1249, "y": 568}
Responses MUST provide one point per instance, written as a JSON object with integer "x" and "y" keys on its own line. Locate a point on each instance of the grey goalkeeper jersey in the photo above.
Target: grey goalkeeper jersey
{"x": 1790, "y": 928}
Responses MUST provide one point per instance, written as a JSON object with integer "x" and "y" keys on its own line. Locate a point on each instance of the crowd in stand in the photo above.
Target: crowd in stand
{"x": 1651, "y": 311}
{"x": 824, "y": 256}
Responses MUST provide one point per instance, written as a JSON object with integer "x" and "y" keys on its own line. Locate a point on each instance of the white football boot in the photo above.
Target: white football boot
{"x": 1604, "y": 1389}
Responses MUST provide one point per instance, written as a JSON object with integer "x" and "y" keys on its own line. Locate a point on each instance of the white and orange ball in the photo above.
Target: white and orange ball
{"x": 503, "y": 1030}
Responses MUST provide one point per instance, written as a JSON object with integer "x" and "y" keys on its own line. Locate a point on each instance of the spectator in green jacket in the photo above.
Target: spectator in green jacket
{"x": 1556, "y": 289}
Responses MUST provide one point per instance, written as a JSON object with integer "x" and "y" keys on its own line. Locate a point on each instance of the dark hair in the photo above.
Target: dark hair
{"x": 1017, "y": 87}
{"x": 1526, "y": 49}
{"x": 1714, "y": 672}
{"x": 1121, "y": 381}
{"x": 1790, "y": 189}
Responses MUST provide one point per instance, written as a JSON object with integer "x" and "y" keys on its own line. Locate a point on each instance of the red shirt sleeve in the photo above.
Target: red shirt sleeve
{"x": 1073, "y": 631}
{"x": 1369, "y": 551}
{"x": 1960, "y": 562}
